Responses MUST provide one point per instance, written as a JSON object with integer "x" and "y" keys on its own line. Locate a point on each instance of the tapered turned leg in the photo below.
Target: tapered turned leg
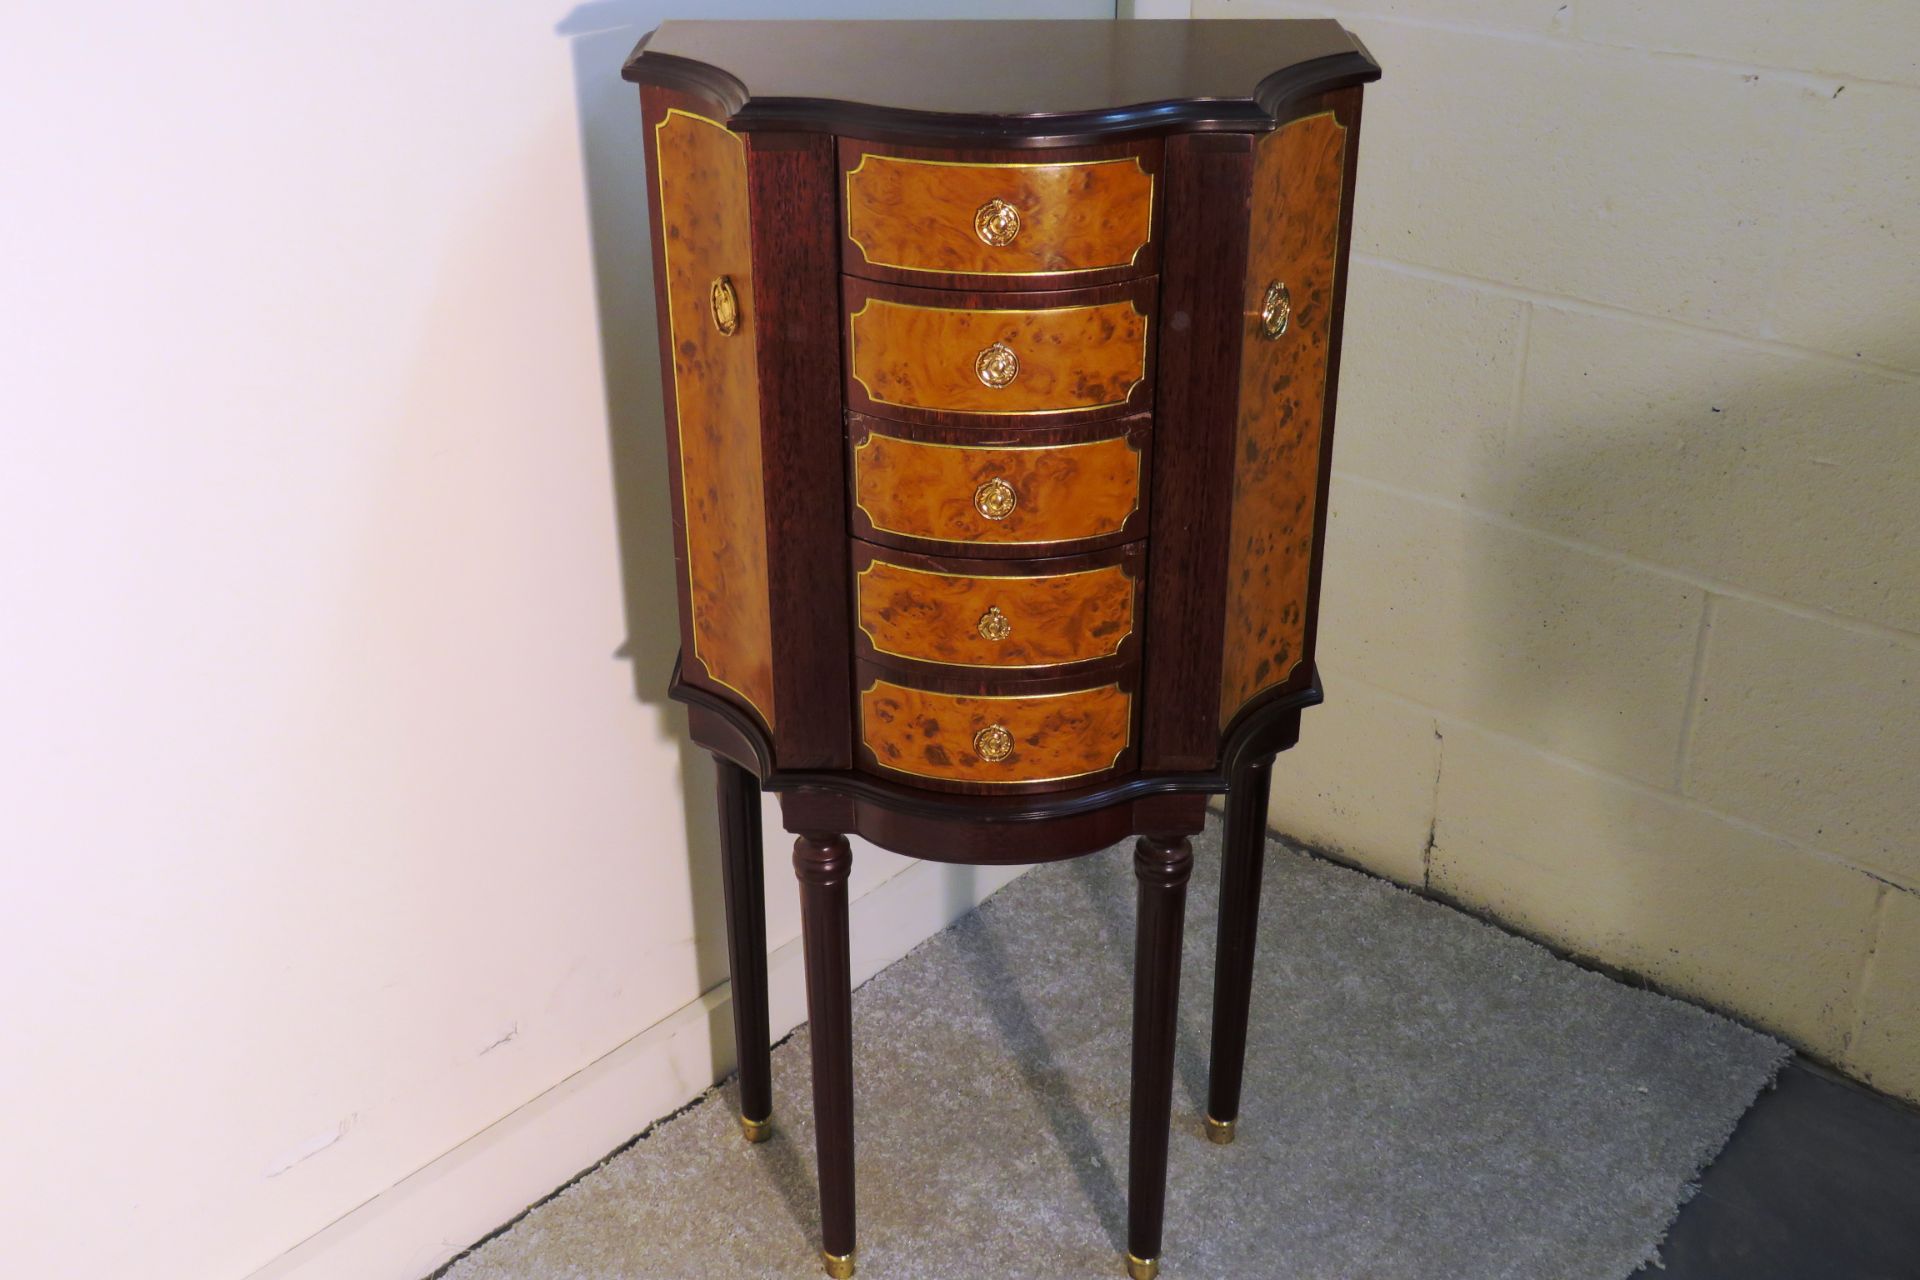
{"x": 823, "y": 862}
{"x": 1245, "y": 839}
{"x": 740, "y": 854}
{"x": 1162, "y": 868}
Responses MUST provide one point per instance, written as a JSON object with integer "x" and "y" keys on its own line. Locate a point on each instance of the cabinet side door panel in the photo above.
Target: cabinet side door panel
{"x": 1298, "y": 196}
{"x": 702, "y": 238}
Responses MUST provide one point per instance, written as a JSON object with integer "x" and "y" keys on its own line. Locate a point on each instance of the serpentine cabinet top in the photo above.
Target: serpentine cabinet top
{"x": 1007, "y": 84}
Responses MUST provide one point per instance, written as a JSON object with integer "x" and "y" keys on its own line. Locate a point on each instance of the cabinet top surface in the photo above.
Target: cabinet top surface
{"x": 1012, "y": 80}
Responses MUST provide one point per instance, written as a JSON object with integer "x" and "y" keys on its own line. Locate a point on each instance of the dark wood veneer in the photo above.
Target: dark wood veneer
{"x": 1009, "y": 84}
{"x": 796, "y": 263}
{"x": 1209, "y": 177}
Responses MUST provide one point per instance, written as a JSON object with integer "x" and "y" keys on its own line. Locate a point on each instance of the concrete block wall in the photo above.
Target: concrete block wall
{"x": 1621, "y": 628}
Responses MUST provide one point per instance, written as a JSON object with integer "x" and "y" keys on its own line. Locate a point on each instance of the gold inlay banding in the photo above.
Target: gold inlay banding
{"x": 1017, "y": 701}
{"x": 876, "y": 305}
{"x": 875, "y": 439}
{"x": 851, "y": 204}
{"x": 668, "y": 180}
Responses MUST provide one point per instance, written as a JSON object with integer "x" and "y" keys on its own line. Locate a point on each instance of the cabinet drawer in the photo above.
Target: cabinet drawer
{"x": 994, "y": 740}
{"x": 1007, "y": 615}
{"x": 1004, "y": 496}
{"x": 934, "y": 352}
{"x": 918, "y": 214}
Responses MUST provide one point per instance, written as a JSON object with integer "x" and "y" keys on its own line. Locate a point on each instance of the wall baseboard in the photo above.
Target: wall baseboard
{"x": 419, "y": 1223}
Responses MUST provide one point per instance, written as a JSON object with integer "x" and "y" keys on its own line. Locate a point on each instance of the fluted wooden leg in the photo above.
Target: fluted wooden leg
{"x": 740, "y": 854}
{"x": 823, "y": 862}
{"x": 1245, "y": 841}
{"x": 1162, "y": 868}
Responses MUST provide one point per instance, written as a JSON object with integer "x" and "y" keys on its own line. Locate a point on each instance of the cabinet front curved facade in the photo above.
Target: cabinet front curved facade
{"x": 882, "y": 334}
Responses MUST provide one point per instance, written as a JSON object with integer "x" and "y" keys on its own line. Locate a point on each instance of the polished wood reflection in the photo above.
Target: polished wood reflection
{"x": 939, "y": 611}
{"x": 919, "y": 214}
{"x": 1297, "y": 195}
{"x": 1056, "y": 736}
{"x": 920, "y": 350}
{"x": 1063, "y": 492}
{"x": 702, "y": 171}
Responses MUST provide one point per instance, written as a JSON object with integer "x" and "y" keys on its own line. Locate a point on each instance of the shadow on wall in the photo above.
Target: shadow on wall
{"x": 1713, "y": 459}
{"x": 600, "y": 36}
{"x": 1693, "y": 455}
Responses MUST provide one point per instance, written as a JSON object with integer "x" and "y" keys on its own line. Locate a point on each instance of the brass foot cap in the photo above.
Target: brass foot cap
{"x": 1219, "y": 1131}
{"x": 836, "y": 1265}
{"x": 756, "y": 1130}
{"x": 1142, "y": 1268}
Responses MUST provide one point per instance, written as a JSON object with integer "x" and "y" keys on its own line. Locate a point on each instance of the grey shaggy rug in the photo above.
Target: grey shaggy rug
{"x": 1427, "y": 1098}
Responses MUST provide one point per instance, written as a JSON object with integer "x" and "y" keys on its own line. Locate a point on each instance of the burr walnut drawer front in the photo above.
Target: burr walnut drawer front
{"x": 935, "y": 354}
{"x": 914, "y": 213}
{"x": 996, "y": 614}
{"x": 926, "y": 488}
{"x": 967, "y": 741}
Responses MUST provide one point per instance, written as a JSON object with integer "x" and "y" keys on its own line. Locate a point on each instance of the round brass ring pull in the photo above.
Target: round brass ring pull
{"x": 997, "y": 365}
{"x": 1276, "y": 309}
{"x": 725, "y": 304}
{"x": 995, "y": 499}
{"x": 993, "y": 743}
{"x": 996, "y": 223}
{"x": 994, "y": 625}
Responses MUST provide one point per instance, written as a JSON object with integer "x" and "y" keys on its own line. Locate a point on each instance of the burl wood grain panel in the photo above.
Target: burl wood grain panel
{"x": 1062, "y": 492}
{"x": 1056, "y": 736}
{"x": 1297, "y": 195}
{"x": 919, "y": 215}
{"x": 925, "y": 355}
{"x": 995, "y": 620}
{"x": 704, "y": 230}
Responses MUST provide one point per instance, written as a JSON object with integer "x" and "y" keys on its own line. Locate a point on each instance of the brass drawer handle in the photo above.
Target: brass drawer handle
{"x": 996, "y": 223}
{"x": 994, "y": 625}
{"x": 995, "y": 499}
{"x": 993, "y": 743}
{"x": 997, "y": 365}
{"x": 1275, "y": 310}
{"x": 725, "y": 304}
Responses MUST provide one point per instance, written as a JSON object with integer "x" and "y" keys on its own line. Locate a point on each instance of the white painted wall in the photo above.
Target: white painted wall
{"x": 1621, "y": 631}
{"x": 352, "y": 855}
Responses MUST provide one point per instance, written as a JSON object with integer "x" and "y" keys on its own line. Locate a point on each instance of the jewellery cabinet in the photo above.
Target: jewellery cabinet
{"x": 999, "y": 364}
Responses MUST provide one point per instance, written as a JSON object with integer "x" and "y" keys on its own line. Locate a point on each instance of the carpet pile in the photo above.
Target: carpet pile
{"x": 1427, "y": 1098}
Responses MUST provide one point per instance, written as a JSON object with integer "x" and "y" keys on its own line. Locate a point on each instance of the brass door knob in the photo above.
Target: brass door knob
{"x": 993, "y": 743}
{"x": 1276, "y": 309}
{"x": 997, "y": 365}
{"x": 995, "y": 499}
{"x": 996, "y": 223}
{"x": 725, "y": 304}
{"x": 994, "y": 625}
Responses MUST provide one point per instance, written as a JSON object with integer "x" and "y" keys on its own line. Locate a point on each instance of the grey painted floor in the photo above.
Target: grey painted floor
{"x": 1820, "y": 1182}
{"x": 1427, "y": 1098}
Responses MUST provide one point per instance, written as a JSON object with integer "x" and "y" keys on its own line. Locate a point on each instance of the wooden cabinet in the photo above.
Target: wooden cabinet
{"x": 999, "y": 390}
